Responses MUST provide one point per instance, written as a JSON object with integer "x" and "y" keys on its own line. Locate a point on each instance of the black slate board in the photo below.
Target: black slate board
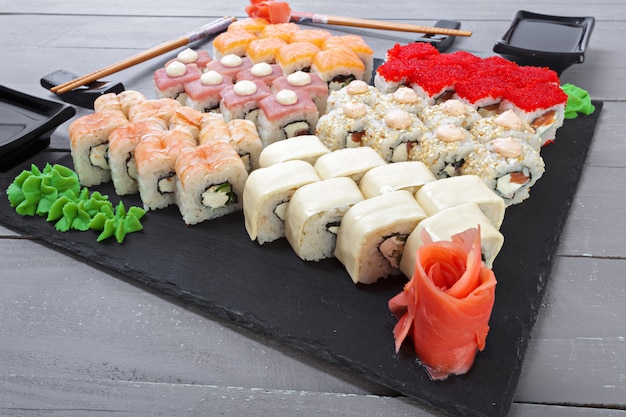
{"x": 315, "y": 307}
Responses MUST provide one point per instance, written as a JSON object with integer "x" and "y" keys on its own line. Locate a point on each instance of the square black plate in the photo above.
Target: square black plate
{"x": 26, "y": 123}
{"x": 544, "y": 40}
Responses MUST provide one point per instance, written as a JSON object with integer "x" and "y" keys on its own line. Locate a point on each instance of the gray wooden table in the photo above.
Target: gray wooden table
{"x": 76, "y": 341}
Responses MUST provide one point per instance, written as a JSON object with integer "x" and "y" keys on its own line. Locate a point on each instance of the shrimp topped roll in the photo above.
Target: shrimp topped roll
{"x": 89, "y": 145}
{"x": 210, "y": 182}
{"x": 372, "y": 235}
{"x": 267, "y": 192}
{"x": 155, "y": 157}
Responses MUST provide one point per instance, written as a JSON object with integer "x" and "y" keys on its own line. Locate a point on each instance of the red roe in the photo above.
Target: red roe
{"x": 536, "y": 96}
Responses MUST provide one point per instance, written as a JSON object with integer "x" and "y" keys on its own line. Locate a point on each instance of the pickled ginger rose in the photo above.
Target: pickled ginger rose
{"x": 445, "y": 307}
{"x": 270, "y": 10}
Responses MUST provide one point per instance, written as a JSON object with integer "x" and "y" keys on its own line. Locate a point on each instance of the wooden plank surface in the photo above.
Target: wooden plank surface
{"x": 78, "y": 341}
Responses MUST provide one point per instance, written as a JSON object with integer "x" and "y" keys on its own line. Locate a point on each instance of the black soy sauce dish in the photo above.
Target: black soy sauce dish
{"x": 546, "y": 41}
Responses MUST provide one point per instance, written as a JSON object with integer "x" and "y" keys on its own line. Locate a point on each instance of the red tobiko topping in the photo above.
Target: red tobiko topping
{"x": 396, "y": 70}
{"x": 433, "y": 77}
{"x": 529, "y": 75}
{"x": 539, "y": 95}
{"x": 479, "y": 87}
{"x": 413, "y": 50}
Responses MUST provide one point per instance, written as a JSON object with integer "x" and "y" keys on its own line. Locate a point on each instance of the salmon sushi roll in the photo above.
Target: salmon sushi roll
{"x": 315, "y": 87}
{"x": 122, "y": 144}
{"x": 187, "y": 119}
{"x": 357, "y": 45}
{"x": 296, "y": 56}
{"x": 155, "y": 157}
{"x": 204, "y": 94}
{"x": 314, "y": 215}
{"x": 230, "y": 65}
{"x": 210, "y": 182}
{"x": 306, "y": 148}
{"x": 314, "y": 36}
{"x": 254, "y": 25}
{"x": 286, "y": 114}
{"x": 264, "y": 49}
{"x": 242, "y": 100}
{"x": 213, "y": 128}
{"x": 266, "y": 196}
{"x": 89, "y": 145}
{"x": 170, "y": 81}
{"x": 232, "y": 42}
{"x": 280, "y": 30}
{"x": 338, "y": 67}
{"x": 262, "y": 71}
{"x": 372, "y": 235}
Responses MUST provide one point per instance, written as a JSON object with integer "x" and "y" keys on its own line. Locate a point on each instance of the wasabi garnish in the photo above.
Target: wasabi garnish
{"x": 578, "y": 101}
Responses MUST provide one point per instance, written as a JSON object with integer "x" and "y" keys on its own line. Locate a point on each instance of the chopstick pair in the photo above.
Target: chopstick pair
{"x": 211, "y": 28}
{"x": 222, "y": 24}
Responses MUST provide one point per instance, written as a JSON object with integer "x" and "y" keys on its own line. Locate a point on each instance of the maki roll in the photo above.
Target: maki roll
{"x": 89, "y": 145}
{"x": 232, "y": 42}
{"x": 315, "y": 36}
{"x": 286, "y": 114}
{"x": 283, "y": 31}
{"x": 170, "y": 81}
{"x": 338, "y": 67}
{"x": 261, "y": 71}
{"x": 254, "y": 25}
{"x": 444, "y": 150}
{"x": 211, "y": 179}
{"x": 244, "y": 137}
{"x": 357, "y": 45}
{"x": 264, "y": 50}
{"x": 122, "y": 144}
{"x": 159, "y": 110}
{"x": 242, "y": 100}
{"x": 348, "y": 162}
{"x": 404, "y": 98}
{"x": 450, "y": 112}
{"x": 311, "y": 83}
{"x": 453, "y": 191}
{"x": 447, "y": 223}
{"x": 108, "y": 102}
{"x": 266, "y": 194}
{"x": 213, "y": 128}
{"x": 314, "y": 214}
{"x": 306, "y": 148}
{"x": 408, "y": 176}
{"x": 187, "y": 119}
{"x": 506, "y": 124}
{"x": 129, "y": 99}
{"x": 372, "y": 235}
{"x": 296, "y": 56}
{"x": 344, "y": 127}
{"x": 230, "y": 65}
{"x": 357, "y": 91}
{"x": 395, "y": 135}
{"x": 508, "y": 166}
{"x": 204, "y": 94}
{"x": 156, "y": 175}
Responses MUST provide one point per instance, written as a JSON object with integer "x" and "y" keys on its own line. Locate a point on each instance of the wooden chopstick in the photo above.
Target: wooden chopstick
{"x": 211, "y": 28}
{"x": 304, "y": 17}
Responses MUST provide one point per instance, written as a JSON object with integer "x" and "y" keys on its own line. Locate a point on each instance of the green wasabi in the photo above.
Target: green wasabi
{"x": 578, "y": 101}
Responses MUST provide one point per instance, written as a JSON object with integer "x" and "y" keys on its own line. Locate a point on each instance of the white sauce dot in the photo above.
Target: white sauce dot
{"x": 398, "y": 119}
{"x": 299, "y": 78}
{"x": 175, "y": 69}
{"x": 231, "y": 60}
{"x": 405, "y": 95}
{"x": 211, "y": 78}
{"x": 187, "y": 56}
{"x": 357, "y": 87}
{"x": 453, "y": 107}
{"x": 261, "y": 69}
{"x": 286, "y": 97}
{"x": 245, "y": 88}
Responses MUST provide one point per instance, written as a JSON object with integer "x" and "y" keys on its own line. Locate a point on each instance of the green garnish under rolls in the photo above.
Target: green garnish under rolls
{"x": 578, "y": 101}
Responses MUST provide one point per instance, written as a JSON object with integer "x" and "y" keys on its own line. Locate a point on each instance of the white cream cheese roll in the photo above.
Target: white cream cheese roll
{"x": 314, "y": 215}
{"x": 348, "y": 162}
{"x": 306, "y": 148}
{"x": 266, "y": 194}
{"x": 408, "y": 175}
{"x": 372, "y": 235}
{"x": 445, "y": 224}
{"x": 453, "y": 191}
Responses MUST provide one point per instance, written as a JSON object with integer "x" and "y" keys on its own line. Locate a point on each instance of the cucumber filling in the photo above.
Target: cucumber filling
{"x": 219, "y": 195}
{"x": 99, "y": 156}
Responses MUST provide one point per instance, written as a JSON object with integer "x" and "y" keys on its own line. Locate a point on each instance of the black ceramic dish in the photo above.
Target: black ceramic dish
{"x": 26, "y": 123}
{"x": 548, "y": 41}
{"x": 83, "y": 96}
